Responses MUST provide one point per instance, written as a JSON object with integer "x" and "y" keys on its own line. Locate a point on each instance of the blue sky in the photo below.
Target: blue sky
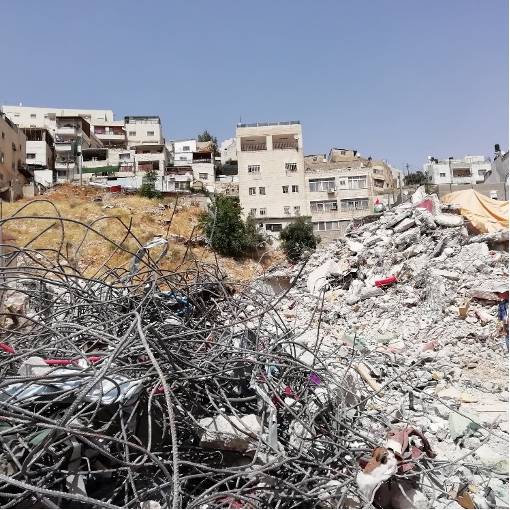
{"x": 396, "y": 80}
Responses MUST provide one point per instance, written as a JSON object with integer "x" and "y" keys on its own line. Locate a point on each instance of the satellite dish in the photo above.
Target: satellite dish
{"x": 296, "y": 137}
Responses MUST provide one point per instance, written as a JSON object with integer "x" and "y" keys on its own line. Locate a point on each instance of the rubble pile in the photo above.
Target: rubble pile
{"x": 142, "y": 388}
{"x": 413, "y": 297}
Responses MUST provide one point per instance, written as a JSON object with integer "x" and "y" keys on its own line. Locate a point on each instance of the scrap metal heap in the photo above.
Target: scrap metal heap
{"x": 142, "y": 388}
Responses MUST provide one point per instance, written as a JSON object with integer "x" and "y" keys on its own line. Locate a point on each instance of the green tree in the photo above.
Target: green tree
{"x": 418, "y": 178}
{"x": 148, "y": 188}
{"x": 207, "y": 137}
{"x": 298, "y": 237}
{"x": 254, "y": 237}
{"x": 224, "y": 227}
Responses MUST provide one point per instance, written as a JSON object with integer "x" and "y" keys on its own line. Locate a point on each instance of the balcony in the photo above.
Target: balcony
{"x": 63, "y": 146}
{"x": 285, "y": 145}
{"x": 66, "y": 131}
{"x": 254, "y": 147}
{"x": 110, "y": 135}
{"x": 65, "y": 166}
{"x": 197, "y": 161}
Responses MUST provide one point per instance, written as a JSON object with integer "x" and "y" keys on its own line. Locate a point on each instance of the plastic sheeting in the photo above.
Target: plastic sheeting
{"x": 484, "y": 213}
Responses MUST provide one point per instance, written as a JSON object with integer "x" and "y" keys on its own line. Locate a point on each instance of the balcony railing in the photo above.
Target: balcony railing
{"x": 66, "y": 131}
{"x": 284, "y": 145}
{"x": 195, "y": 161}
{"x": 110, "y": 134}
{"x": 254, "y": 147}
{"x": 63, "y": 147}
{"x": 265, "y": 124}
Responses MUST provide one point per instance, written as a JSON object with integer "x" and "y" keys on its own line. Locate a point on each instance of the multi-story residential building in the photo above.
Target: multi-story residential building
{"x": 271, "y": 173}
{"x": 143, "y": 130}
{"x": 228, "y": 151}
{"x": 14, "y": 173}
{"x": 110, "y": 133}
{"x": 72, "y": 135}
{"x": 342, "y": 186}
{"x": 40, "y": 153}
{"x": 192, "y": 158}
{"x": 28, "y": 116}
{"x": 466, "y": 170}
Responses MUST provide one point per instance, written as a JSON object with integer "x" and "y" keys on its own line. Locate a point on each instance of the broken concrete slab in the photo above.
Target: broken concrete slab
{"x": 229, "y": 432}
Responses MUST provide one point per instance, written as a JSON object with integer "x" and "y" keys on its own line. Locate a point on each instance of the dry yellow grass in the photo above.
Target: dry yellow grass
{"x": 88, "y": 251}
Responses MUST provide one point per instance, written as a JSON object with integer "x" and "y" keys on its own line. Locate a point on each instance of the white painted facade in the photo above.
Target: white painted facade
{"x": 44, "y": 177}
{"x": 27, "y": 116}
{"x": 39, "y": 153}
{"x": 143, "y": 130}
{"x": 183, "y": 151}
{"x": 466, "y": 170}
{"x": 228, "y": 151}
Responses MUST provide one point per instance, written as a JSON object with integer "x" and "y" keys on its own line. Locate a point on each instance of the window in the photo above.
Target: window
{"x": 181, "y": 185}
{"x": 482, "y": 172}
{"x": 342, "y": 153}
{"x": 324, "y": 206}
{"x": 442, "y": 174}
{"x": 326, "y": 225}
{"x": 30, "y": 155}
{"x": 62, "y": 173}
{"x": 45, "y": 115}
{"x": 295, "y": 188}
{"x": 16, "y": 114}
{"x": 285, "y": 189}
{"x": 203, "y": 177}
{"x": 262, "y": 191}
{"x": 322, "y": 184}
{"x": 274, "y": 227}
{"x": 286, "y": 209}
{"x": 253, "y": 212}
{"x": 297, "y": 209}
{"x": 355, "y": 182}
{"x": 263, "y": 211}
{"x": 185, "y": 148}
{"x": 253, "y": 168}
{"x": 132, "y": 133}
{"x": 252, "y": 191}
{"x": 124, "y": 156}
{"x": 150, "y": 133}
{"x": 354, "y": 204}
{"x": 3, "y": 135}
{"x": 378, "y": 183}
{"x": 183, "y": 158}
{"x": 33, "y": 116}
{"x": 291, "y": 166}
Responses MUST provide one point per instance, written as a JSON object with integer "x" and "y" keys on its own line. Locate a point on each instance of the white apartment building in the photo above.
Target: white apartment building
{"x": 192, "y": 159}
{"x": 28, "y": 116}
{"x": 466, "y": 170}
{"x": 341, "y": 187}
{"x": 39, "y": 149}
{"x": 271, "y": 173}
{"x": 228, "y": 151}
{"x": 72, "y": 135}
{"x": 143, "y": 130}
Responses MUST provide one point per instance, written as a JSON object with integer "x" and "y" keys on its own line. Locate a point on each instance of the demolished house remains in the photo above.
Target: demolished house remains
{"x": 377, "y": 376}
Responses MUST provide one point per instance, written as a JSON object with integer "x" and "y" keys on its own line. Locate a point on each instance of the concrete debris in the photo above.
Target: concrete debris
{"x": 372, "y": 373}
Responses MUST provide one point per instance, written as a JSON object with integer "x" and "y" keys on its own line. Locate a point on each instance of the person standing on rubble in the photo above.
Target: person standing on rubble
{"x": 503, "y": 312}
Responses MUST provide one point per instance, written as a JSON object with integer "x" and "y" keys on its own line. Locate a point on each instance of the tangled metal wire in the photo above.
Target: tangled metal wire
{"x": 139, "y": 386}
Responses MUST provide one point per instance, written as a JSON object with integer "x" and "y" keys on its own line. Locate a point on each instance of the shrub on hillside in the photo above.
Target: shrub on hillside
{"x": 298, "y": 237}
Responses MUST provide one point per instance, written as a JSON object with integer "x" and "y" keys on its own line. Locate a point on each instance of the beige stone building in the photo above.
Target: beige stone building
{"x": 14, "y": 173}
{"x": 271, "y": 173}
{"x": 342, "y": 186}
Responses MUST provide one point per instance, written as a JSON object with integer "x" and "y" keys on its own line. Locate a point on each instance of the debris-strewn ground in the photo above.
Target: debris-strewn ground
{"x": 373, "y": 373}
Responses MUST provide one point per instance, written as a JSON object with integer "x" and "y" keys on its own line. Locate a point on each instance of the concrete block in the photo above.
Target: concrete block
{"x": 230, "y": 434}
{"x": 404, "y": 225}
{"x": 448, "y": 220}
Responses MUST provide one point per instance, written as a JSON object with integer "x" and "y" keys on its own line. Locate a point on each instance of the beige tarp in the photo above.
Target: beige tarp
{"x": 484, "y": 213}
